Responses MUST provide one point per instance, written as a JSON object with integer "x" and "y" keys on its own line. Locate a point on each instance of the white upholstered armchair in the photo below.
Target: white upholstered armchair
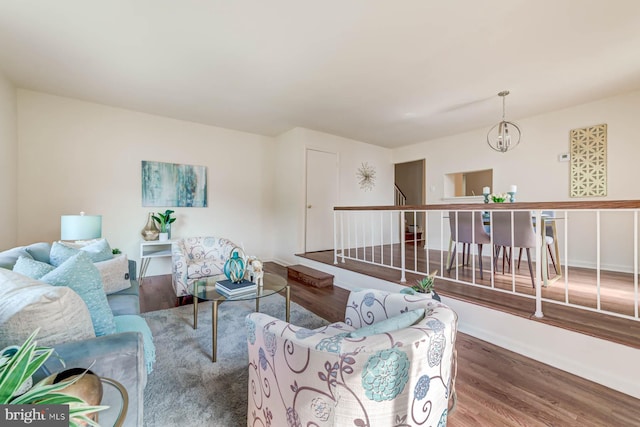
{"x": 195, "y": 258}
{"x": 389, "y": 364}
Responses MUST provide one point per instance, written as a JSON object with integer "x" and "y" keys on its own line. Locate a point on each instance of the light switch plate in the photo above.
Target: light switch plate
{"x": 564, "y": 157}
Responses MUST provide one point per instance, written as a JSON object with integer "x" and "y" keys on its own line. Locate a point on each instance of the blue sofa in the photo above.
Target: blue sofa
{"x": 118, "y": 356}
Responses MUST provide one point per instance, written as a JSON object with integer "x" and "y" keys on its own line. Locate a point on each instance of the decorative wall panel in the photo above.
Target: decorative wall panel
{"x": 589, "y": 161}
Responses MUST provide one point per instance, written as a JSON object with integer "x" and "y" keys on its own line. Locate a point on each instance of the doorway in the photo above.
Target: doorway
{"x": 322, "y": 196}
{"x": 410, "y": 190}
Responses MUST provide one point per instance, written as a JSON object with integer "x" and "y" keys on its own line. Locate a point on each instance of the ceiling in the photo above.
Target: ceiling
{"x": 386, "y": 72}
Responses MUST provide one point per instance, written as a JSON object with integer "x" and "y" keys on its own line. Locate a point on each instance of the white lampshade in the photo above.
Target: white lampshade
{"x": 80, "y": 227}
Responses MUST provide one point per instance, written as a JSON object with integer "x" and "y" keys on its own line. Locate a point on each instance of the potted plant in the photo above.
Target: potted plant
{"x": 426, "y": 285}
{"x": 19, "y": 363}
{"x": 164, "y": 220}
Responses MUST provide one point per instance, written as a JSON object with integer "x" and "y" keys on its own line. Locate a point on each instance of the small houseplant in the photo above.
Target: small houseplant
{"x": 19, "y": 363}
{"x": 164, "y": 220}
{"x": 426, "y": 285}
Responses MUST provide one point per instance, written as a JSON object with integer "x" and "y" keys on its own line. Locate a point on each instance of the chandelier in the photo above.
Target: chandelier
{"x": 505, "y": 135}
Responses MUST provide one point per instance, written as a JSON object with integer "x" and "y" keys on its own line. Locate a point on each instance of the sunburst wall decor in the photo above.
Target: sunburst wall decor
{"x": 589, "y": 161}
{"x": 366, "y": 176}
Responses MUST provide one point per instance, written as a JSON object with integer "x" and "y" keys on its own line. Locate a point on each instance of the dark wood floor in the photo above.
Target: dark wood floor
{"x": 607, "y": 327}
{"x": 495, "y": 387}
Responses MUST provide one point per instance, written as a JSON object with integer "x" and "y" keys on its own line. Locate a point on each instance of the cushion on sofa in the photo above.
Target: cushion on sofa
{"x": 79, "y": 273}
{"x": 114, "y": 274}
{"x": 97, "y": 251}
{"x": 134, "y": 323}
{"x": 39, "y": 251}
{"x": 31, "y": 268}
{"x": 25, "y": 302}
{"x": 9, "y": 257}
{"x": 391, "y": 324}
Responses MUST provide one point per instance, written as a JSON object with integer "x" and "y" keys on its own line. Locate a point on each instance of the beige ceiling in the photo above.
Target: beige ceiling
{"x": 387, "y": 72}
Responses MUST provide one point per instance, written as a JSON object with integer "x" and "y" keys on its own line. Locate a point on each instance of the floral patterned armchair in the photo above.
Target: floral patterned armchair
{"x": 326, "y": 377}
{"x": 195, "y": 258}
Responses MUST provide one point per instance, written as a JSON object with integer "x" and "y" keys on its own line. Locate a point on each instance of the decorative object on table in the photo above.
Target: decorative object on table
{"x": 505, "y": 135}
{"x": 254, "y": 271}
{"x": 80, "y": 227}
{"x": 150, "y": 230}
{"x": 170, "y": 184}
{"x": 366, "y": 176}
{"x": 512, "y": 193}
{"x": 116, "y": 251}
{"x": 426, "y": 285}
{"x": 165, "y": 221}
{"x": 499, "y": 197}
{"x": 18, "y": 363}
{"x": 235, "y": 266}
{"x": 86, "y": 386}
{"x": 486, "y": 191}
{"x": 589, "y": 161}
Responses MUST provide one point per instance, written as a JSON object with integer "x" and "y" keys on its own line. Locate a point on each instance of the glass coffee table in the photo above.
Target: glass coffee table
{"x": 205, "y": 289}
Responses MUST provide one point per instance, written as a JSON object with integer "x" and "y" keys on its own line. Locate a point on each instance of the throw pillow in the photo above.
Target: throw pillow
{"x": 39, "y": 251}
{"x": 391, "y": 324}
{"x": 31, "y": 268}
{"x": 79, "y": 273}
{"x": 114, "y": 274}
{"x": 9, "y": 257}
{"x": 27, "y": 304}
{"x": 97, "y": 251}
{"x": 135, "y": 323}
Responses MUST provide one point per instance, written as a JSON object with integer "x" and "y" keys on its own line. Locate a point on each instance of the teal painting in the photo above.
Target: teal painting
{"x": 174, "y": 185}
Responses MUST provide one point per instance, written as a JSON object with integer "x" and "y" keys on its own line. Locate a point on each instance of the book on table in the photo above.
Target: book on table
{"x": 229, "y": 288}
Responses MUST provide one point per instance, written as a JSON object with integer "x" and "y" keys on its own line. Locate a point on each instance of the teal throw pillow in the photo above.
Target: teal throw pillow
{"x": 39, "y": 251}
{"x": 97, "y": 251}
{"x": 79, "y": 273}
{"x": 31, "y": 268}
{"x": 135, "y": 323}
{"x": 391, "y": 324}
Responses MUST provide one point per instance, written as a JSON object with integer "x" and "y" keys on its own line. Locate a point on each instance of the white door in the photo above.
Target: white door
{"x": 322, "y": 196}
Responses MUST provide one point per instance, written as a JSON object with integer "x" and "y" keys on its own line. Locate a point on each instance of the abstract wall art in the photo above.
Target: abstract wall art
{"x": 589, "y": 161}
{"x": 173, "y": 185}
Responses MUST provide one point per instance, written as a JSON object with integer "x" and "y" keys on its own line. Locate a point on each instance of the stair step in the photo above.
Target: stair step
{"x": 309, "y": 276}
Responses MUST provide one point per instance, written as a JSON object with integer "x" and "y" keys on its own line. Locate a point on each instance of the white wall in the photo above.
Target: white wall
{"x": 289, "y": 163}
{"x": 534, "y": 167}
{"x": 79, "y": 156}
{"x": 8, "y": 165}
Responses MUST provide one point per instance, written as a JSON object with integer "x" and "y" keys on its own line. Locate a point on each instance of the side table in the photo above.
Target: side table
{"x": 152, "y": 249}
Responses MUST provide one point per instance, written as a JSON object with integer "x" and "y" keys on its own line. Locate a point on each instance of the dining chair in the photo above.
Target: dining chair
{"x": 467, "y": 231}
{"x": 524, "y": 237}
{"x": 550, "y": 236}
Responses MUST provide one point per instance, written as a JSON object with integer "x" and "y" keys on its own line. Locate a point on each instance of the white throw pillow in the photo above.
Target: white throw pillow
{"x": 27, "y": 304}
{"x": 114, "y": 273}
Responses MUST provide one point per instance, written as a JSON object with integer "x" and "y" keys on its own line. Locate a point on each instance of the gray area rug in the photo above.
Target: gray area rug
{"x": 185, "y": 387}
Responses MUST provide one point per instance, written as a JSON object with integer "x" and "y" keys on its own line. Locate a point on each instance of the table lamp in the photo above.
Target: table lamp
{"x": 80, "y": 227}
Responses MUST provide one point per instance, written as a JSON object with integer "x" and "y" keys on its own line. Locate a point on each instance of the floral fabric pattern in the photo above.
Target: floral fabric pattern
{"x": 325, "y": 378}
{"x": 385, "y": 374}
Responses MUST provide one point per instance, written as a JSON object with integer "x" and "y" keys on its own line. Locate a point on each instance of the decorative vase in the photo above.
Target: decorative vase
{"x": 163, "y": 237}
{"x": 150, "y": 230}
{"x": 234, "y": 268}
{"x": 87, "y": 388}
